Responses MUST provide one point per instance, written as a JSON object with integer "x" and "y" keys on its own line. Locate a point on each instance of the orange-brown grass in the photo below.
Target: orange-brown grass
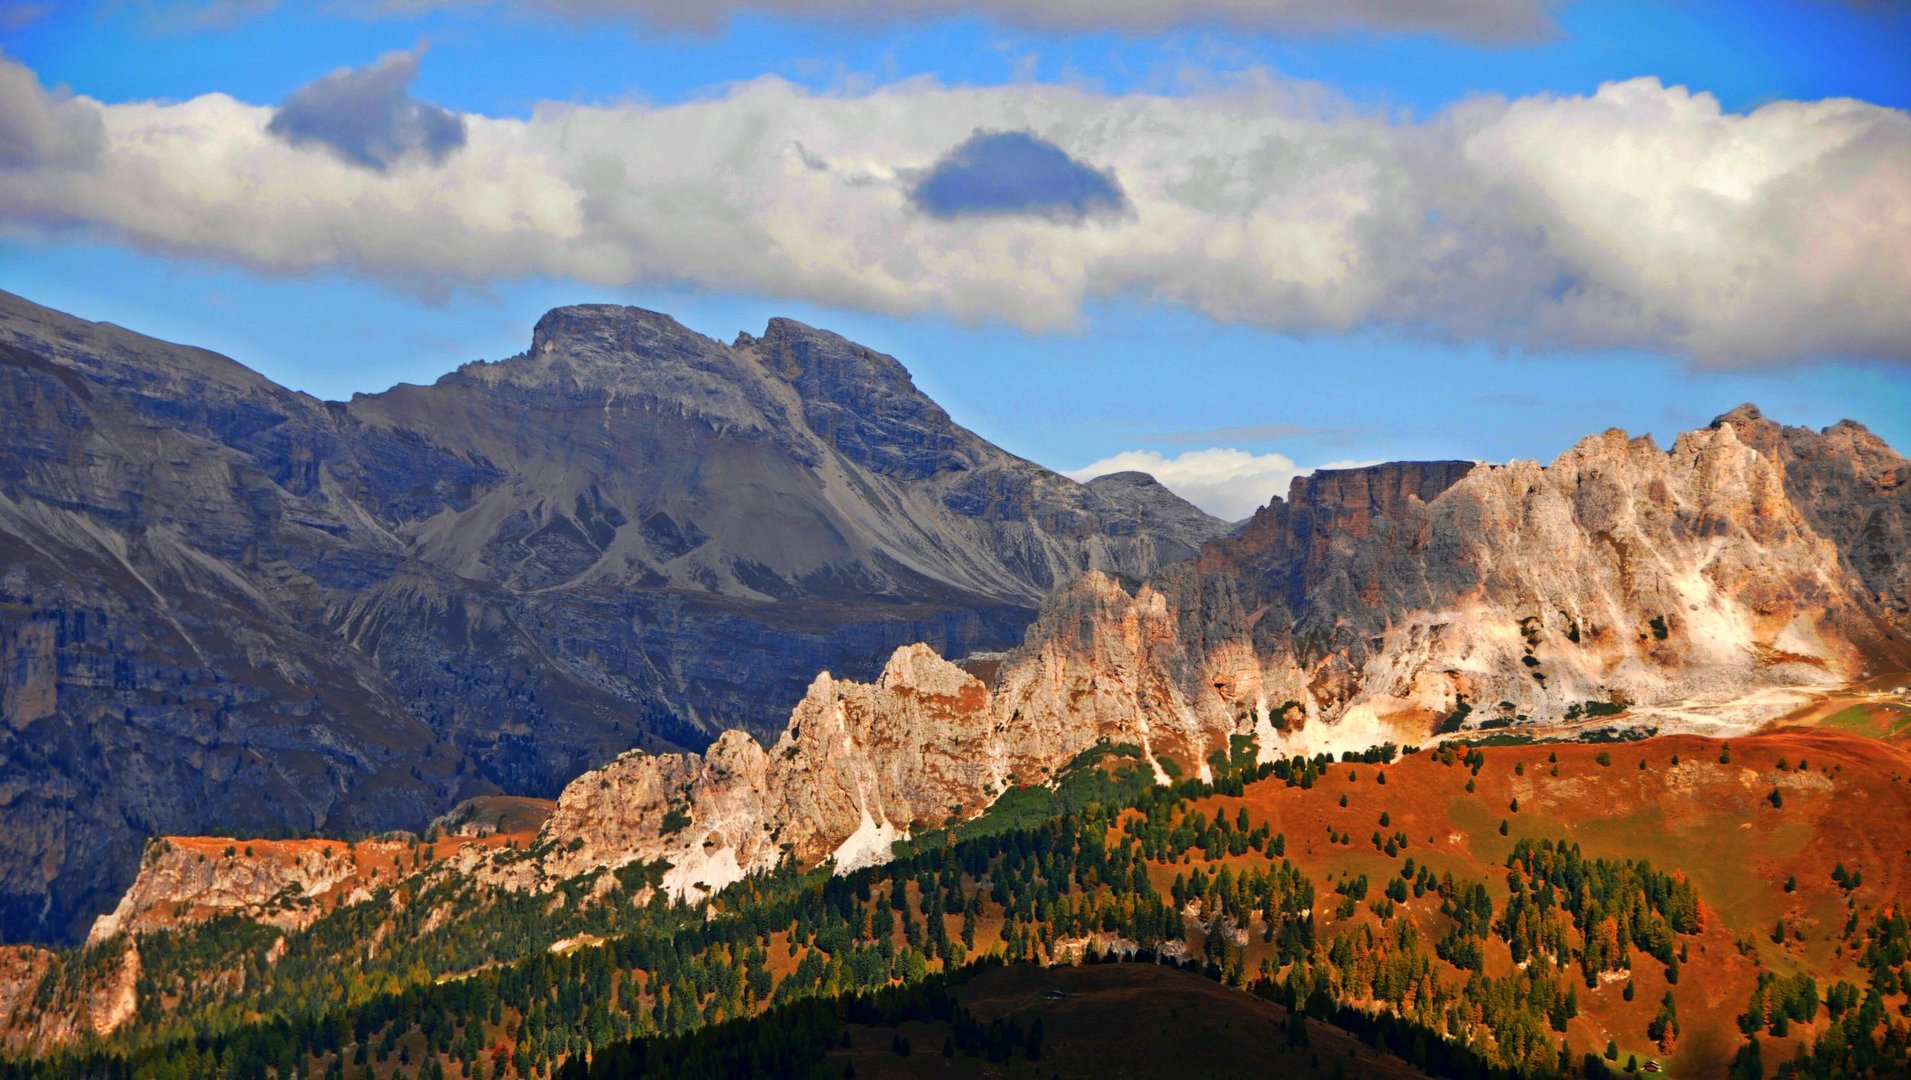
{"x": 1843, "y": 799}
{"x": 1712, "y": 822}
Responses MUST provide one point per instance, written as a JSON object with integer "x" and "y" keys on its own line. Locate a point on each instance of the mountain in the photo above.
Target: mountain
{"x": 1621, "y": 588}
{"x": 227, "y": 605}
{"x": 1705, "y": 586}
{"x": 1644, "y": 610}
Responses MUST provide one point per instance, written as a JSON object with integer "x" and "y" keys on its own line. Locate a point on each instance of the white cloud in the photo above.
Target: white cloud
{"x": 1640, "y": 216}
{"x": 1230, "y": 484}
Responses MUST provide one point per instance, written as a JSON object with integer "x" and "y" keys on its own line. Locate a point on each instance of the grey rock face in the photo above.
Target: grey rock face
{"x": 1854, "y": 489}
{"x": 227, "y": 606}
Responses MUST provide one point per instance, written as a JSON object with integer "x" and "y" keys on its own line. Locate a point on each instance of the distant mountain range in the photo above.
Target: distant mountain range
{"x": 227, "y": 606}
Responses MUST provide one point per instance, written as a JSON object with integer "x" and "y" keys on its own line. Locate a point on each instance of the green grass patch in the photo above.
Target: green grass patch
{"x": 1871, "y": 721}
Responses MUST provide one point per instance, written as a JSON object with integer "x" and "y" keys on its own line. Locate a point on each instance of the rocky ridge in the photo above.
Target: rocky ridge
{"x": 282, "y": 883}
{"x": 1377, "y": 604}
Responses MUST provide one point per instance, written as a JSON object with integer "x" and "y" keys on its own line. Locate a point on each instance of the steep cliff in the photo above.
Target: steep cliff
{"x": 1853, "y": 489}
{"x": 859, "y": 766}
{"x": 227, "y": 605}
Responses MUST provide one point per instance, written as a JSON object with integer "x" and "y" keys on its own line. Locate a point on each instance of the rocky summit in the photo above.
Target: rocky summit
{"x": 1705, "y": 585}
{"x": 225, "y": 605}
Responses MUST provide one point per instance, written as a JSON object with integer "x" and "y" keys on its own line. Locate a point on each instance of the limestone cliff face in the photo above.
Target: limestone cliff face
{"x": 1854, "y": 490}
{"x": 1370, "y": 605}
{"x": 22, "y": 969}
{"x": 858, "y": 767}
{"x": 1159, "y": 667}
{"x": 1376, "y": 600}
{"x": 36, "y": 1017}
{"x": 282, "y": 883}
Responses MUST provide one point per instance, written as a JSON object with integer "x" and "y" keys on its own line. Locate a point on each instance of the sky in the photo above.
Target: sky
{"x": 1223, "y": 241}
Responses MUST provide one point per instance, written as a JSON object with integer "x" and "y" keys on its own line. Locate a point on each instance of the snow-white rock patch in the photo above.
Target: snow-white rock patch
{"x": 869, "y": 845}
{"x": 701, "y": 872}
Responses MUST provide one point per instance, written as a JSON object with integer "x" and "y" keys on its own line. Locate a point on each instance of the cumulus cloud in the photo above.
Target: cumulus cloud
{"x": 368, "y": 117}
{"x": 1230, "y": 484}
{"x": 1015, "y": 172}
{"x": 1640, "y": 216}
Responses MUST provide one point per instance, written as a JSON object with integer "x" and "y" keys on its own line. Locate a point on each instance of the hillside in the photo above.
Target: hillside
{"x": 224, "y": 604}
{"x": 1652, "y": 894}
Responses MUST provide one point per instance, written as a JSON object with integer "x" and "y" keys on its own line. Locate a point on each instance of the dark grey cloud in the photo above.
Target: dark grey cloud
{"x": 1472, "y": 20}
{"x": 1015, "y": 173}
{"x": 368, "y": 117}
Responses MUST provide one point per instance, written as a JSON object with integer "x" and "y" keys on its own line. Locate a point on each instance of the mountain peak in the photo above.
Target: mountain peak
{"x": 1747, "y": 413}
{"x": 617, "y": 327}
{"x": 1126, "y": 478}
{"x": 862, "y": 401}
{"x": 823, "y": 363}
{"x": 1754, "y": 429}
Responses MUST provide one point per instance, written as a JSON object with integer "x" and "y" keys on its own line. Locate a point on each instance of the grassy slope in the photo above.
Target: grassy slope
{"x": 1710, "y": 821}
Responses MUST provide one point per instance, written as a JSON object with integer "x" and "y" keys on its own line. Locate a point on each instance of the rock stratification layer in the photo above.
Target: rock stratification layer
{"x": 226, "y": 604}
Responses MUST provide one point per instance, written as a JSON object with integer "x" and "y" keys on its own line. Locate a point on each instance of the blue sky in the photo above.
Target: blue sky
{"x": 1123, "y": 359}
